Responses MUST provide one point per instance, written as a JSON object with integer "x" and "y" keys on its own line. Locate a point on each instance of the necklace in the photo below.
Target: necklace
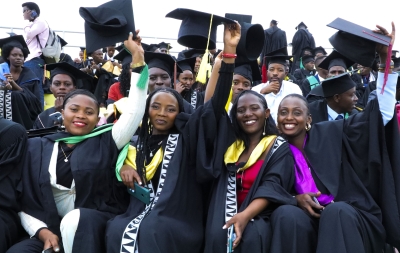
{"x": 66, "y": 157}
{"x": 151, "y": 151}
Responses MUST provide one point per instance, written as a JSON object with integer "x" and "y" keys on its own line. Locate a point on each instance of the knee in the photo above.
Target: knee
{"x": 338, "y": 210}
{"x": 286, "y": 214}
{"x": 70, "y": 221}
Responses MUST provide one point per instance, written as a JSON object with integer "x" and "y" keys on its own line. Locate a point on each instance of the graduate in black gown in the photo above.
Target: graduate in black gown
{"x": 302, "y": 73}
{"x": 69, "y": 189}
{"x": 12, "y": 147}
{"x": 275, "y": 38}
{"x": 19, "y": 94}
{"x": 313, "y": 81}
{"x": 175, "y": 154}
{"x": 185, "y": 81}
{"x": 353, "y": 205}
{"x": 63, "y": 79}
{"x": 340, "y": 94}
{"x": 301, "y": 39}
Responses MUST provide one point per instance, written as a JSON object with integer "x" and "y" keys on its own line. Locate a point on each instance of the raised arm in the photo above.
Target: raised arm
{"x": 129, "y": 121}
{"x": 212, "y": 82}
{"x": 387, "y": 98}
{"x": 224, "y": 83}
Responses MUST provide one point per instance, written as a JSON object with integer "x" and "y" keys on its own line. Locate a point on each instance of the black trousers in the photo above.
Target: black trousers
{"x": 341, "y": 228}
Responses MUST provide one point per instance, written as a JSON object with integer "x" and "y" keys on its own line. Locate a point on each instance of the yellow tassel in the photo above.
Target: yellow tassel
{"x": 202, "y": 74}
{"x": 84, "y": 55}
{"x": 228, "y": 103}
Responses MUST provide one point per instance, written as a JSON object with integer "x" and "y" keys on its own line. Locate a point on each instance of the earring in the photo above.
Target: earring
{"x": 308, "y": 127}
{"x": 265, "y": 125}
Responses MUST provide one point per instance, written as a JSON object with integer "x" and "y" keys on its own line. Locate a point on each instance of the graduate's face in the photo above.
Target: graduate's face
{"x": 251, "y": 115}
{"x": 347, "y": 100}
{"x": 80, "y": 115}
{"x": 293, "y": 117}
{"x": 197, "y": 64}
{"x": 97, "y": 56}
{"x": 336, "y": 70}
{"x": 163, "y": 110}
{"x": 163, "y": 50}
{"x": 239, "y": 84}
{"x": 16, "y": 57}
{"x": 158, "y": 78}
{"x": 186, "y": 78}
{"x": 276, "y": 72}
{"x": 81, "y": 55}
{"x": 309, "y": 66}
{"x": 110, "y": 51}
{"x": 61, "y": 85}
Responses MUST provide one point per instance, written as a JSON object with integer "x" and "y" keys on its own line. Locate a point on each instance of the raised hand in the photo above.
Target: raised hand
{"x": 381, "y": 49}
{"x": 232, "y": 35}
{"x": 135, "y": 47}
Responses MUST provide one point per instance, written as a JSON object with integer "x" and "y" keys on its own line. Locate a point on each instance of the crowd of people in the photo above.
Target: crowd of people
{"x": 246, "y": 148}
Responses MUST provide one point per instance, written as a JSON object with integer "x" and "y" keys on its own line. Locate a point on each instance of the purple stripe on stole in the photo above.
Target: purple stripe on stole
{"x": 304, "y": 181}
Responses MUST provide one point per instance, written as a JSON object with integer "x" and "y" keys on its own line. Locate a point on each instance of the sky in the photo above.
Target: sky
{"x": 155, "y": 27}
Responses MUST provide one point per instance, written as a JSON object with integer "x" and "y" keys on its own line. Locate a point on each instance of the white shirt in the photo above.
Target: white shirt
{"x": 273, "y": 100}
{"x": 332, "y": 115}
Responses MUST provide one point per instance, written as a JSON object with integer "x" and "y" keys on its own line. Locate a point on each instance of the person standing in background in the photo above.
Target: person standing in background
{"x": 36, "y": 34}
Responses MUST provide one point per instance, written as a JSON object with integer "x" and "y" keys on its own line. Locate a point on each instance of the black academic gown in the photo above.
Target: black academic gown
{"x": 22, "y": 107}
{"x": 194, "y": 98}
{"x": 102, "y": 82}
{"x": 176, "y": 223}
{"x": 361, "y": 176}
{"x": 305, "y": 86}
{"x": 319, "y": 111}
{"x": 301, "y": 39}
{"x": 275, "y": 38}
{"x": 12, "y": 147}
{"x": 28, "y": 80}
{"x": 257, "y": 234}
{"x": 43, "y": 120}
{"x": 99, "y": 195}
{"x": 301, "y": 74}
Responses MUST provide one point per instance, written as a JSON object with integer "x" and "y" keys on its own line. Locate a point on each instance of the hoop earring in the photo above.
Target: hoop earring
{"x": 308, "y": 127}
{"x": 265, "y": 126}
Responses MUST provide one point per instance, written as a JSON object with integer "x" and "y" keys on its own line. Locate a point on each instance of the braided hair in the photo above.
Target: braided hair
{"x": 146, "y": 130}
{"x": 270, "y": 127}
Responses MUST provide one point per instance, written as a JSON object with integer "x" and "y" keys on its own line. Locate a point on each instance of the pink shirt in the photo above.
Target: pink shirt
{"x": 38, "y": 27}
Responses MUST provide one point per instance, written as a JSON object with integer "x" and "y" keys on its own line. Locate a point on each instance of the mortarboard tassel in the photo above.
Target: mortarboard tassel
{"x": 202, "y": 74}
{"x": 388, "y": 60}
{"x": 228, "y": 103}
{"x": 84, "y": 55}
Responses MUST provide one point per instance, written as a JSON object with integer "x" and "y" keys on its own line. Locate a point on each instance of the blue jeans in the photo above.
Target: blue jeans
{"x": 35, "y": 65}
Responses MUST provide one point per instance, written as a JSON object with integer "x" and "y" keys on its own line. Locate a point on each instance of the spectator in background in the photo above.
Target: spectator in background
{"x": 36, "y": 34}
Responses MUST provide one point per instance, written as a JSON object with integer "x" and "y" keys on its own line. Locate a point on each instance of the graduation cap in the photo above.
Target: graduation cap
{"x": 241, "y": 18}
{"x": 336, "y": 59}
{"x": 301, "y": 24}
{"x": 187, "y": 64}
{"x": 309, "y": 49}
{"x": 307, "y": 58}
{"x": 162, "y": 61}
{"x": 252, "y": 37}
{"x": 194, "y": 53}
{"x": 108, "y": 23}
{"x": 67, "y": 69}
{"x": 62, "y": 41}
{"x": 248, "y": 70}
{"x": 32, "y": 133}
{"x": 124, "y": 56}
{"x": 279, "y": 56}
{"x": 319, "y": 50}
{"x": 337, "y": 84}
{"x": 356, "y": 42}
{"x": 396, "y": 62}
{"x": 164, "y": 45}
{"x": 394, "y": 53}
{"x": 195, "y": 31}
{"x": 82, "y": 48}
{"x": 151, "y": 47}
{"x": 17, "y": 41}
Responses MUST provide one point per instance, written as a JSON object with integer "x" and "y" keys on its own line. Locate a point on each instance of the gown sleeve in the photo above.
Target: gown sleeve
{"x": 134, "y": 113}
{"x": 207, "y": 132}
